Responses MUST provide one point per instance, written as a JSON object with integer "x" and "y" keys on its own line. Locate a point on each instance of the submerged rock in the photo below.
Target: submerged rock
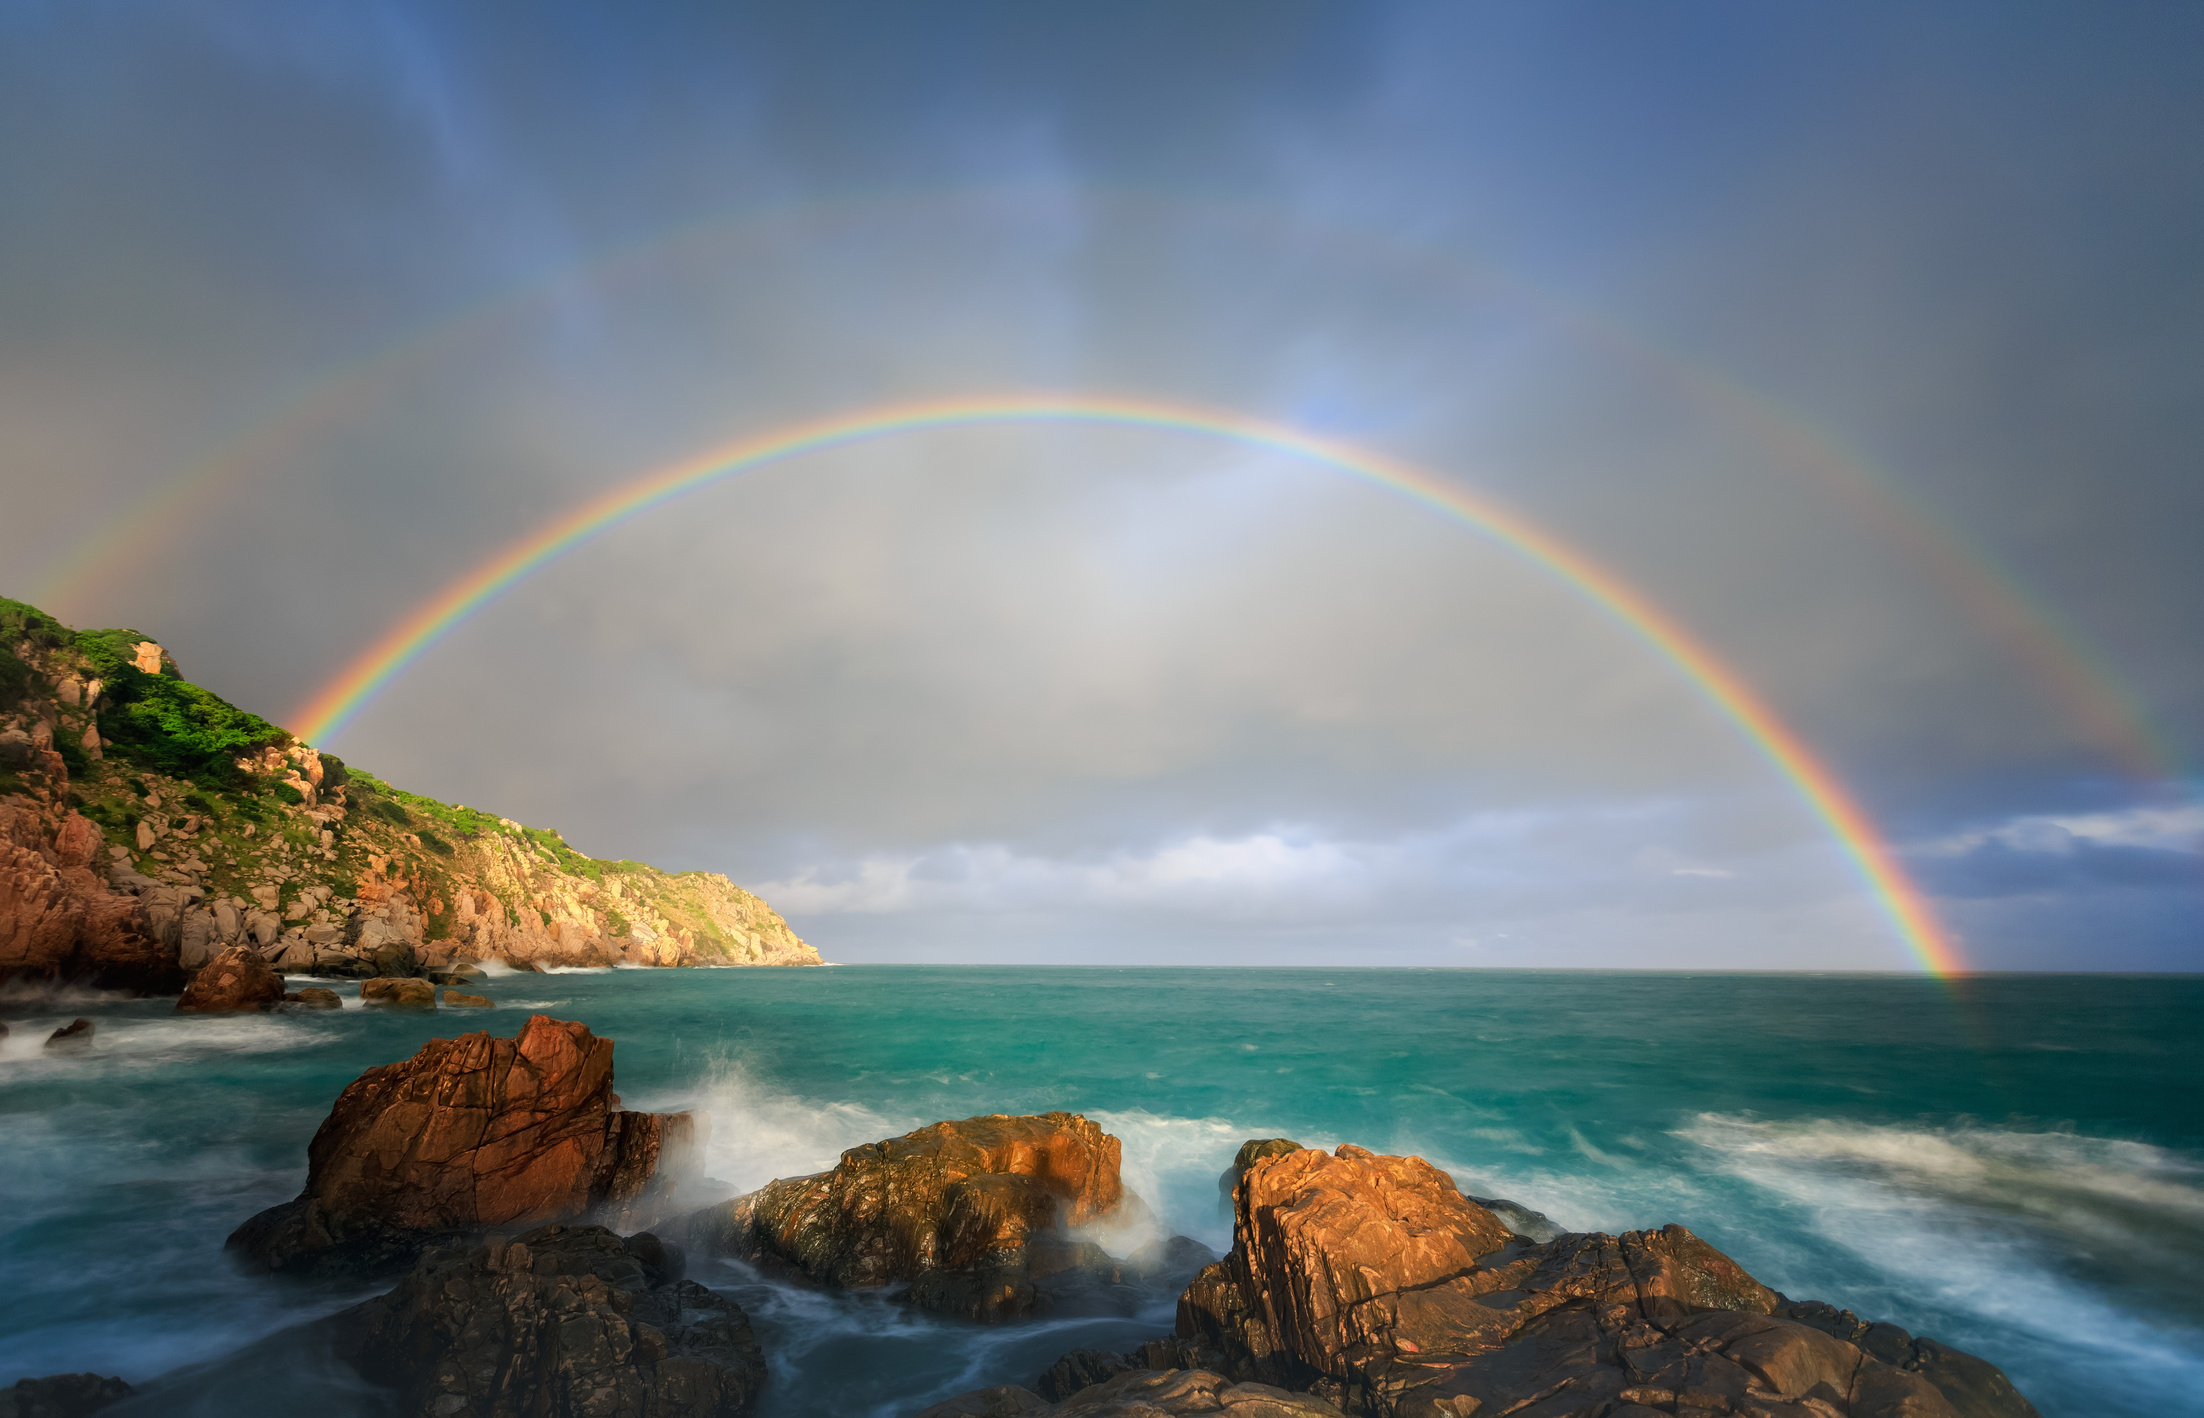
{"x": 1520, "y": 1219}
{"x": 77, "y": 1034}
{"x": 315, "y": 999}
{"x": 973, "y": 1215}
{"x": 470, "y": 1133}
{"x": 235, "y": 980}
{"x": 1373, "y": 1280}
{"x": 457, "y": 1000}
{"x": 562, "y": 1320}
{"x": 61, "y": 1396}
{"x": 398, "y": 992}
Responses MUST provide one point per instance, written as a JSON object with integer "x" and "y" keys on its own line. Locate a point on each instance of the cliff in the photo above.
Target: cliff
{"x": 146, "y": 824}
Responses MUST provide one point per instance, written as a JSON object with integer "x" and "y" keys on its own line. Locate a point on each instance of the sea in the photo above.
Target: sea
{"x": 2011, "y": 1164}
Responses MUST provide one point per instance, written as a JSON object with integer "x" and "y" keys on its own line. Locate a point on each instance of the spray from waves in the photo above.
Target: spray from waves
{"x": 2008, "y": 1230}
{"x": 760, "y": 1131}
{"x": 1173, "y": 1163}
{"x": 124, "y": 1043}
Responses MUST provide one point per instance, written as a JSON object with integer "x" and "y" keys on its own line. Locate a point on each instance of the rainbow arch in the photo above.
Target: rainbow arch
{"x": 342, "y": 698}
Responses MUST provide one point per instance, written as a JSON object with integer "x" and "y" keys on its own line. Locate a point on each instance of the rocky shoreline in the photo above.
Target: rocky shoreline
{"x": 147, "y": 827}
{"x": 539, "y": 1237}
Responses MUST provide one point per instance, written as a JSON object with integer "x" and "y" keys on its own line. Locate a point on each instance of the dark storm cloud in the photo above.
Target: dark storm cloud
{"x": 1058, "y": 693}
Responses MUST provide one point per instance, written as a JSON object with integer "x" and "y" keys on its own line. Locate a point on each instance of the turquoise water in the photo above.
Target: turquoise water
{"x": 2014, "y": 1165}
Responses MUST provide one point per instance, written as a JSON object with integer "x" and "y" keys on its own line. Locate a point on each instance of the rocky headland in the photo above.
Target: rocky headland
{"x": 147, "y": 826}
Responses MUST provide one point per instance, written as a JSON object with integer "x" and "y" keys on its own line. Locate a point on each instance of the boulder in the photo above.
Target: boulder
{"x": 1142, "y": 1393}
{"x": 315, "y": 999}
{"x": 562, "y": 1320}
{"x": 1374, "y": 1280}
{"x": 972, "y": 1215}
{"x": 398, "y": 993}
{"x": 71, "y": 1037}
{"x": 237, "y": 979}
{"x": 468, "y": 1134}
{"x": 61, "y": 1396}
{"x": 459, "y": 1001}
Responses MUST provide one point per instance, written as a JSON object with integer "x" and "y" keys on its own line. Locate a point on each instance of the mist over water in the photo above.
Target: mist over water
{"x": 2013, "y": 1165}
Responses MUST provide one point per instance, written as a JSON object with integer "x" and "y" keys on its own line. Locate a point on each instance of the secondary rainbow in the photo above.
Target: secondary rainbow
{"x": 342, "y": 698}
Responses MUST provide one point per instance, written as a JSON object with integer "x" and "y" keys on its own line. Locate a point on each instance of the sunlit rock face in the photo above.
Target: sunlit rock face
{"x": 1372, "y": 1280}
{"x": 470, "y": 1133}
{"x": 976, "y": 1216}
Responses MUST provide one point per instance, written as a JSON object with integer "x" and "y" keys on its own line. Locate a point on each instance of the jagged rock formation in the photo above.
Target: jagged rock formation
{"x": 972, "y": 1214}
{"x": 146, "y": 826}
{"x": 237, "y": 979}
{"x": 1373, "y": 1281}
{"x": 470, "y": 1133}
{"x": 562, "y": 1320}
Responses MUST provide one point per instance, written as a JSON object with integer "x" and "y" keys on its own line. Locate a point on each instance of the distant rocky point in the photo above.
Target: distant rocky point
{"x": 147, "y": 825}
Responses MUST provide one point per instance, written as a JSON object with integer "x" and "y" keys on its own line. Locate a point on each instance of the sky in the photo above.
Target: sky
{"x": 1867, "y": 342}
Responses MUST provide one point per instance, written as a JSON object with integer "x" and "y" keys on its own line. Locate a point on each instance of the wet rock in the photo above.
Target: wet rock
{"x": 1372, "y": 1279}
{"x": 1081, "y": 1368}
{"x": 71, "y": 1037}
{"x": 468, "y": 1134}
{"x": 315, "y": 999}
{"x": 973, "y": 1215}
{"x": 237, "y": 979}
{"x": 562, "y": 1320}
{"x": 398, "y": 993}
{"x": 1000, "y": 1401}
{"x": 1142, "y": 1393}
{"x": 459, "y": 1001}
{"x": 61, "y": 1396}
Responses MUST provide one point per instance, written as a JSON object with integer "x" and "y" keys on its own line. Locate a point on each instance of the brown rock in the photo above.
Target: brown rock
{"x": 1142, "y": 1393}
{"x": 398, "y": 993}
{"x": 459, "y": 1001}
{"x": 1374, "y": 1276}
{"x": 237, "y": 979}
{"x": 562, "y": 1321}
{"x": 469, "y": 1133}
{"x": 61, "y": 1396}
{"x": 59, "y": 919}
{"x": 972, "y": 1214}
{"x": 315, "y": 999}
{"x": 71, "y": 1036}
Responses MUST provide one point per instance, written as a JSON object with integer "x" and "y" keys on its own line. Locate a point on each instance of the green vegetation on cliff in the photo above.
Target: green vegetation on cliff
{"x": 191, "y": 791}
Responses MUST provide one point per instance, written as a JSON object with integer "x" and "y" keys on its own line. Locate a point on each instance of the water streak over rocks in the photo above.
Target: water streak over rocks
{"x": 562, "y": 1320}
{"x": 469, "y": 1133}
{"x": 972, "y": 1215}
{"x": 1373, "y": 1280}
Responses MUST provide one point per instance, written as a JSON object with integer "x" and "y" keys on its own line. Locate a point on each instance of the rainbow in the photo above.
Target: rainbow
{"x": 343, "y": 697}
{"x": 2089, "y": 688}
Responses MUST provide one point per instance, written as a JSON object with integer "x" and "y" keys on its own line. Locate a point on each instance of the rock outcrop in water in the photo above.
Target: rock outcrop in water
{"x": 234, "y": 981}
{"x": 468, "y": 1134}
{"x": 1372, "y": 1280}
{"x": 562, "y": 1320}
{"x": 973, "y": 1215}
{"x": 146, "y": 825}
{"x": 61, "y": 1396}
